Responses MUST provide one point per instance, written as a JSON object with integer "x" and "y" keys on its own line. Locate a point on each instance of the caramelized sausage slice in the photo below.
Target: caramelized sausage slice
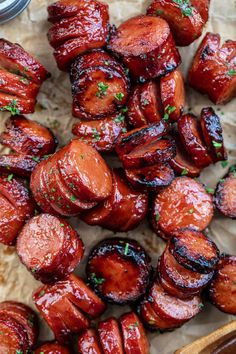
{"x": 24, "y": 315}
{"x": 101, "y": 134}
{"x": 15, "y": 59}
{"x": 223, "y": 287}
{"x": 212, "y": 133}
{"x": 110, "y": 336}
{"x": 17, "y": 164}
{"x": 52, "y": 348}
{"x": 119, "y": 270}
{"x": 183, "y": 204}
{"x": 160, "y": 310}
{"x": 191, "y": 136}
{"x": 13, "y": 336}
{"x": 28, "y": 137}
{"x": 184, "y": 19}
{"x": 150, "y": 178}
{"x": 225, "y": 194}
{"x": 213, "y": 69}
{"x": 135, "y": 338}
{"x": 185, "y": 280}
{"x": 49, "y": 248}
{"x": 16, "y": 105}
{"x": 144, "y": 105}
{"x": 173, "y": 95}
{"x": 123, "y": 210}
{"x": 88, "y": 342}
{"x": 140, "y": 41}
{"x": 194, "y": 251}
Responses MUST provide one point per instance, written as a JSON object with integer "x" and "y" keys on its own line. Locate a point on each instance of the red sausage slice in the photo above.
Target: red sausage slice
{"x": 194, "y": 251}
{"x": 173, "y": 95}
{"x": 13, "y": 336}
{"x": 17, "y": 164}
{"x": 142, "y": 39}
{"x": 183, "y": 204}
{"x": 212, "y": 133}
{"x": 52, "y": 348}
{"x": 119, "y": 270}
{"x": 16, "y": 105}
{"x": 135, "y": 338}
{"x": 49, "y": 248}
{"x": 191, "y": 136}
{"x": 225, "y": 194}
{"x": 88, "y": 342}
{"x": 222, "y": 289}
{"x": 123, "y": 210}
{"x": 110, "y": 336}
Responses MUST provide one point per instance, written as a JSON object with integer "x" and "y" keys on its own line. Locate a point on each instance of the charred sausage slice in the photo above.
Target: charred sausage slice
{"x": 49, "y": 248}
{"x": 223, "y": 287}
{"x": 183, "y": 204}
{"x": 225, "y": 194}
{"x": 101, "y": 134}
{"x": 16, "y": 105}
{"x": 25, "y": 316}
{"x": 123, "y": 210}
{"x": 119, "y": 270}
{"x": 194, "y": 251}
{"x": 212, "y": 133}
{"x": 88, "y": 342}
{"x": 13, "y": 336}
{"x": 135, "y": 338}
{"x": 150, "y": 178}
{"x": 52, "y": 348}
{"x": 140, "y": 41}
{"x": 18, "y": 164}
{"x": 172, "y": 95}
{"x": 110, "y": 336}
{"x": 184, "y": 19}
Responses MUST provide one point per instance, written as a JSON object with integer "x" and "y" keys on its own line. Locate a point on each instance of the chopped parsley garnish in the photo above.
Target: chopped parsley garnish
{"x": 120, "y": 118}
{"x": 102, "y": 89}
{"x": 97, "y": 281}
{"x": 159, "y": 12}
{"x": 12, "y": 107}
{"x": 126, "y": 249}
{"x": 62, "y": 225}
{"x": 216, "y": 144}
{"x": 36, "y": 159}
{"x": 106, "y": 62}
{"x": 145, "y": 102}
{"x": 24, "y": 80}
{"x": 73, "y": 198}
{"x": 184, "y": 172}
{"x": 9, "y": 178}
{"x": 124, "y": 130}
{"x": 96, "y": 135}
{"x": 157, "y": 216}
{"x": 224, "y": 163}
{"x": 119, "y": 96}
{"x": 168, "y": 110}
{"x": 132, "y": 326}
{"x": 191, "y": 211}
{"x": 231, "y": 72}
{"x": 185, "y": 7}
{"x": 210, "y": 190}
{"x": 18, "y": 351}
{"x": 41, "y": 293}
{"x": 201, "y": 305}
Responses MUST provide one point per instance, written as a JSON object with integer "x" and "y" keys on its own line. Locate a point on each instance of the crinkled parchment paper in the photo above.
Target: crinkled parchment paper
{"x": 54, "y": 110}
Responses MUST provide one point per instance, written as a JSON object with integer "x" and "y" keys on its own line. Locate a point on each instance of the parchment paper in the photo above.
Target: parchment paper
{"x": 54, "y": 110}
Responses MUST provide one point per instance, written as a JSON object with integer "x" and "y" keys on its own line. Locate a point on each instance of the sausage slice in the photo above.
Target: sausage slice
{"x": 16, "y": 105}
{"x": 119, "y": 270}
{"x": 194, "y": 251}
{"x": 13, "y": 336}
{"x": 49, "y": 248}
{"x": 192, "y": 138}
{"x": 225, "y": 194}
{"x": 123, "y": 210}
{"x": 212, "y": 133}
{"x": 110, "y": 336}
{"x": 183, "y": 204}
{"x": 17, "y": 164}
{"x": 172, "y": 95}
{"x": 88, "y": 342}
{"x": 150, "y": 178}
{"x": 223, "y": 287}
{"x": 52, "y": 348}
{"x": 140, "y": 41}
{"x": 135, "y": 338}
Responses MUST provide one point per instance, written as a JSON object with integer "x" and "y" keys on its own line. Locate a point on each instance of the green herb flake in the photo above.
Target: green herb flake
{"x": 9, "y": 178}
{"x": 102, "y": 90}
{"x": 35, "y": 158}
{"x": 96, "y": 280}
{"x": 184, "y": 172}
{"x": 126, "y": 249}
{"x": 96, "y": 135}
{"x": 42, "y": 292}
{"x": 224, "y": 164}
{"x": 124, "y": 130}
{"x": 132, "y": 326}
{"x": 185, "y": 7}
{"x": 191, "y": 211}
{"x": 24, "y": 80}
{"x": 12, "y": 108}
{"x": 18, "y": 351}
{"x": 231, "y": 72}
{"x": 73, "y": 198}
{"x": 210, "y": 190}
{"x": 168, "y": 110}
{"x": 157, "y": 216}
{"x": 145, "y": 102}
{"x": 159, "y": 12}
{"x": 201, "y": 305}
{"x": 62, "y": 225}
{"x": 216, "y": 144}
{"x": 106, "y": 62}
{"x": 120, "y": 118}
{"x": 119, "y": 96}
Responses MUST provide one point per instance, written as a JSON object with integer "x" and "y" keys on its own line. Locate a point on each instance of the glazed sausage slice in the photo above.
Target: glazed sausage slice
{"x": 194, "y": 251}
{"x": 13, "y": 336}
{"x": 140, "y": 41}
{"x": 172, "y": 95}
{"x": 119, "y": 270}
{"x": 213, "y": 69}
{"x": 184, "y": 19}
{"x": 110, "y": 336}
{"x": 212, "y": 133}
{"x": 88, "y": 342}
{"x": 25, "y": 316}
{"x": 28, "y": 137}
{"x": 101, "y": 134}
{"x": 225, "y": 194}
{"x": 52, "y": 348}
{"x": 150, "y": 178}
{"x": 223, "y": 287}
{"x": 187, "y": 281}
{"x": 183, "y": 204}
{"x": 16, "y": 105}
{"x": 49, "y": 248}
{"x": 135, "y": 338}
{"x": 192, "y": 138}
{"x": 15, "y": 59}
{"x": 123, "y": 210}
{"x": 144, "y": 105}
{"x": 17, "y": 164}
{"x": 100, "y": 89}
{"x": 160, "y": 310}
